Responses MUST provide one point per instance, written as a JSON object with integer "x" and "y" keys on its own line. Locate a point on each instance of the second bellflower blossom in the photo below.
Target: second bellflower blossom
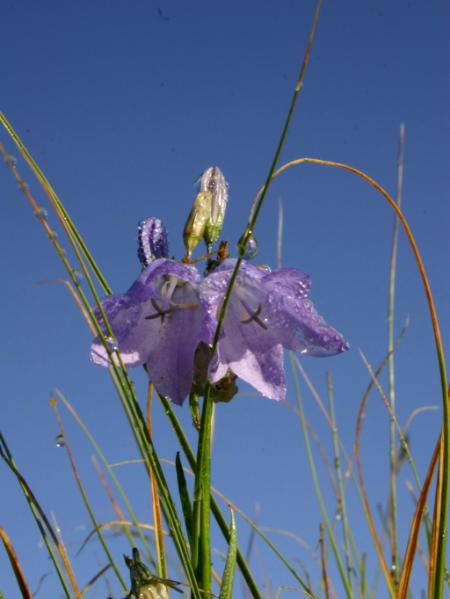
{"x": 158, "y": 323}
{"x": 267, "y": 311}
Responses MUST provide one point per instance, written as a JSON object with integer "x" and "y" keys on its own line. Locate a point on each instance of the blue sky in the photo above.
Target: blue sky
{"x": 123, "y": 105}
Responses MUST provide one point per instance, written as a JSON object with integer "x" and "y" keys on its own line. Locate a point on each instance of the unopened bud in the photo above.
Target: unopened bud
{"x": 152, "y": 241}
{"x": 199, "y": 216}
{"x": 212, "y": 180}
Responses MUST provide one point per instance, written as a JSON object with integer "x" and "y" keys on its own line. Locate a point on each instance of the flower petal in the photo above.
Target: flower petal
{"x": 124, "y": 316}
{"x": 294, "y": 320}
{"x": 171, "y": 343}
{"x": 158, "y": 322}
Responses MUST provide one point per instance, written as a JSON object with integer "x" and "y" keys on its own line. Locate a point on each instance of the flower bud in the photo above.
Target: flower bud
{"x": 152, "y": 241}
{"x": 199, "y": 216}
{"x": 212, "y": 180}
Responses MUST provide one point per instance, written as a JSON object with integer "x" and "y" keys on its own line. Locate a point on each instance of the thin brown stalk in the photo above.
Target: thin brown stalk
{"x": 34, "y": 502}
{"x": 432, "y": 594}
{"x": 323, "y": 563}
{"x": 411, "y": 548}
{"x": 54, "y": 406}
{"x": 78, "y": 301}
{"x": 314, "y": 392}
{"x": 366, "y": 505}
{"x": 156, "y": 507}
{"x": 20, "y": 577}
{"x": 94, "y": 579}
{"x": 116, "y": 507}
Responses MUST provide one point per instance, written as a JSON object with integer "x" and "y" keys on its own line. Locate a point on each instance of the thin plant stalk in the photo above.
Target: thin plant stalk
{"x": 203, "y": 475}
{"x": 401, "y": 434}
{"x": 441, "y": 512}
{"x": 323, "y": 563}
{"x": 110, "y": 470}
{"x": 184, "y": 443}
{"x": 55, "y": 201}
{"x": 415, "y": 527}
{"x": 82, "y": 490}
{"x": 391, "y": 370}
{"x": 43, "y": 524}
{"x": 18, "y": 572}
{"x": 121, "y": 378}
{"x": 340, "y": 482}
{"x": 337, "y": 556}
{"x": 156, "y": 507}
{"x": 115, "y": 506}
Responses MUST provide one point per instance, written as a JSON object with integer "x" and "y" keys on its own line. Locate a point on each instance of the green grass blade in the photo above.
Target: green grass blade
{"x": 226, "y": 589}
{"x": 84, "y": 497}
{"x": 184, "y": 498}
{"x": 337, "y": 556}
{"x": 110, "y": 471}
{"x": 41, "y": 520}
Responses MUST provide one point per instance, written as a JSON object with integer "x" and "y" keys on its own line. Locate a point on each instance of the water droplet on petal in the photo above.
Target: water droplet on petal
{"x": 264, "y": 267}
{"x": 251, "y": 248}
{"x": 59, "y": 441}
{"x": 112, "y": 344}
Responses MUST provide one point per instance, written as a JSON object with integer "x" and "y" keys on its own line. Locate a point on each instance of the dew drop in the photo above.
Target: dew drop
{"x": 77, "y": 274}
{"x": 59, "y": 441}
{"x": 264, "y": 268}
{"x": 13, "y": 160}
{"x": 112, "y": 344}
{"x": 251, "y": 248}
{"x": 43, "y": 212}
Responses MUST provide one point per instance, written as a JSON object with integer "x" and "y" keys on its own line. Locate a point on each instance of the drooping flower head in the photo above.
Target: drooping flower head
{"x": 267, "y": 311}
{"x": 167, "y": 320}
{"x": 158, "y": 323}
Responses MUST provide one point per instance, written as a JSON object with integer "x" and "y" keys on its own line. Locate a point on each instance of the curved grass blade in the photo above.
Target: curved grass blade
{"x": 226, "y": 590}
{"x": 20, "y": 577}
{"x": 444, "y": 464}
{"x": 415, "y": 527}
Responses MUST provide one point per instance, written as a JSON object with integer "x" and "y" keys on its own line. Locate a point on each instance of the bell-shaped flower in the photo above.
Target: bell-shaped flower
{"x": 267, "y": 311}
{"x": 158, "y": 323}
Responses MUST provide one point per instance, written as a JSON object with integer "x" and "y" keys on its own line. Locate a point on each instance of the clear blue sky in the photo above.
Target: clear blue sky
{"x": 123, "y": 104}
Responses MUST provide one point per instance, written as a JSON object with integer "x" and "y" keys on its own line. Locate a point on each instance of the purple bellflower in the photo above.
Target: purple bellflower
{"x": 267, "y": 311}
{"x": 158, "y": 322}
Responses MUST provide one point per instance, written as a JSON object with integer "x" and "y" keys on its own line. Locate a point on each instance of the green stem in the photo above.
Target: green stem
{"x": 391, "y": 371}
{"x": 203, "y": 477}
{"x": 220, "y": 518}
{"x": 337, "y": 556}
{"x": 85, "y": 498}
{"x": 340, "y": 482}
{"x": 111, "y": 473}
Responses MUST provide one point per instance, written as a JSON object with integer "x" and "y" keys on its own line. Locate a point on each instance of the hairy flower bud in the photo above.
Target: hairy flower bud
{"x": 152, "y": 241}
{"x": 199, "y": 217}
{"x": 212, "y": 180}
